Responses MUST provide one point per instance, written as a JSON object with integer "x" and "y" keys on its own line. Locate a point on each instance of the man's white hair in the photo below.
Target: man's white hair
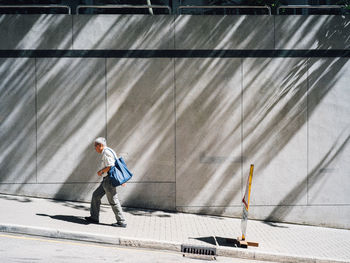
{"x": 101, "y": 140}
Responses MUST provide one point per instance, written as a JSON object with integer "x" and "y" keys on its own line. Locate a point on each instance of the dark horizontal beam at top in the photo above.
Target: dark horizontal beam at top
{"x": 145, "y": 53}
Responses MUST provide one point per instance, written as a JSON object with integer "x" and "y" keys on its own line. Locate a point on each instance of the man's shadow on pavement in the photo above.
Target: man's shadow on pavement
{"x": 71, "y": 219}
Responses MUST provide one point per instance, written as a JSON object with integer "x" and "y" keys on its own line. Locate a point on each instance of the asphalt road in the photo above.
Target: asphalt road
{"x": 23, "y": 248}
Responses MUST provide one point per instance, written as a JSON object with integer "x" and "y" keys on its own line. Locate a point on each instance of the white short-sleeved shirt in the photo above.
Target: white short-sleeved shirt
{"x": 108, "y": 158}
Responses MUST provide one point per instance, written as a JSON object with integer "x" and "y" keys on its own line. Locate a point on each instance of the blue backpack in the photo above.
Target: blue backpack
{"x": 119, "y": 173}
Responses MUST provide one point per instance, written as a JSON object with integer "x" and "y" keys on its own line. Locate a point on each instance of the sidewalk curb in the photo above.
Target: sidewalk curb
{"x": 272, "y": 256}
{"x": 161, "y": 245}
{"x": 82, "y": 236}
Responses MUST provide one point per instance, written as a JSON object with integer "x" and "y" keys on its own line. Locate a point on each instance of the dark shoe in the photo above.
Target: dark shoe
{"x": 91, "y": 220}
{"x": 119, "y": 224}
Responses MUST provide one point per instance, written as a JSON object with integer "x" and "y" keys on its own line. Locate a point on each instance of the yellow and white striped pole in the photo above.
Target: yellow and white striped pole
{"x": 245, "y": 202}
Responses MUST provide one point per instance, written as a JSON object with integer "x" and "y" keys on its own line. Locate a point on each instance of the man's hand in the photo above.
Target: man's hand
{"x": 104, "y": 170}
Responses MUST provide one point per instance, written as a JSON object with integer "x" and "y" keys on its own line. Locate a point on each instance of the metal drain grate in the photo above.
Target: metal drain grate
{"x": 211, "y": 251}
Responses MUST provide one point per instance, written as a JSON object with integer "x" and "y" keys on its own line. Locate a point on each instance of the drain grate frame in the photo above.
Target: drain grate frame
{"x": 198, "y": 250}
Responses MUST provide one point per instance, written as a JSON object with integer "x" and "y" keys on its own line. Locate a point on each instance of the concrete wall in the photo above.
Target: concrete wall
{"x": 189, "y": 127}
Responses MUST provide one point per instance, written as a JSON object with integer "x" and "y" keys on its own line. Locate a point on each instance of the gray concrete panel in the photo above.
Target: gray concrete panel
{"x": 150, "y": 195}
{"x": 123, "y": 32}
{"x": 329, "y": 131}
{"x": 71, "y": 114}
{"x": 312, "y": 32}
{"x": 229, "y": 211}
{"x": 144, "y": 195}
{"x": 318, "y": 215}
{"x": 224, "y": 32}
{"x": 208, "y": 132}
{"x": 275, "y": 130}
{"x": 69, "y": 191}
{"x": 36, "y": 32}
{"x": 140, "y": 114}
{"x": 17, "y": 120}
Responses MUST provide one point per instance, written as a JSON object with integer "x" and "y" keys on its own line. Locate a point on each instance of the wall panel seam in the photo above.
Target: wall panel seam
{"x": 36, "y": 118}
{"x": 106, "y": 100}
{"x": 307, "y": 131}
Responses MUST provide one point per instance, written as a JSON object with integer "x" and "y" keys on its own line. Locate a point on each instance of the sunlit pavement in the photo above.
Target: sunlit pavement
{"x": 168, "y": 231}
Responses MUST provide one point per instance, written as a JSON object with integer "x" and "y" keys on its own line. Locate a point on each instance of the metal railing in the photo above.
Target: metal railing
{"x": 309, "y": 7}
{"x": 37, "y": 6}
{"x": 223, "y": 7}
{"x": 181, "y": 7}
{"x": 150, "y": 7}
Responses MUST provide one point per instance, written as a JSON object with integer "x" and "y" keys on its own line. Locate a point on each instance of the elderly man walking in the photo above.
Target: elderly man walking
{"x": 106, "y": 187}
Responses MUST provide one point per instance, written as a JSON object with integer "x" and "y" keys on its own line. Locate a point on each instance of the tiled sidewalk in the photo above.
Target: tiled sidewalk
{"x": 283, "y": 242}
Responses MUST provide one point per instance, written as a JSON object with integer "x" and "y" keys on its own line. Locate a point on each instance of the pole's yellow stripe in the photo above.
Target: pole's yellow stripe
{"x": 250, "y": 181}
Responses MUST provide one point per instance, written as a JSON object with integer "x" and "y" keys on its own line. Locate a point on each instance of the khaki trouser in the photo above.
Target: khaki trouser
{"x": 111, "y": 192}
